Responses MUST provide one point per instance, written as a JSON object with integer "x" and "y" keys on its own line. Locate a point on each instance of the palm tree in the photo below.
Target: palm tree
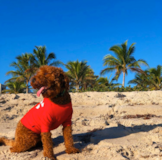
{"x": 24, "y": 69}
{"x": 156, "y": 77}
{"x": 123, "y": 61}
{"x": 141, "y": 80}
{"x": 151, "y": 79}
{"x": 14, "y": 87}
{"x": 89, "y": 80}
{"x": 104, "y": 81}
{"x": 77, "y": 72}
{"x": 41, "y": 57}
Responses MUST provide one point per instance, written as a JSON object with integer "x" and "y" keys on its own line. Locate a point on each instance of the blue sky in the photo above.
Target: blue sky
{"x": 80, "y": 30}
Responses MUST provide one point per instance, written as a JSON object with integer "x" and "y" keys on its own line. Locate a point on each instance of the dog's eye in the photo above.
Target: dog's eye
{"x": 33, "y": 80}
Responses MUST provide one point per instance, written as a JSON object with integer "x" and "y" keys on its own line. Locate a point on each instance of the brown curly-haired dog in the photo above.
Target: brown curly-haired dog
{"x": 55, "y": 109}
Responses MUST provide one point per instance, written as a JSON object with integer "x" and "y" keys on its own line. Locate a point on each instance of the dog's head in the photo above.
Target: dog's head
{"x": 50, "y": 81}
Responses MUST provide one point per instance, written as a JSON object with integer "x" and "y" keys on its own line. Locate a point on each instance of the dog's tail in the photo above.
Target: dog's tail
{"x": 6, "y": 141}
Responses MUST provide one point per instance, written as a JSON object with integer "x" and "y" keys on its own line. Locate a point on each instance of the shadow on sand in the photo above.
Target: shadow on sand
{"x": 95, "y": 136}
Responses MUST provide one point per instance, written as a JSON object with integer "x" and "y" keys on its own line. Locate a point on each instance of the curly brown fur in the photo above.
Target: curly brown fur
{"x": 67, "y": 133}
{"x": 24, "y": 139}
{"x": 47, "y": 145}
{"x": 6, "y": 141}
{"x": 55, "y": 80}
{"x": 57, "y": 85}
{"x": 62, "y": 99}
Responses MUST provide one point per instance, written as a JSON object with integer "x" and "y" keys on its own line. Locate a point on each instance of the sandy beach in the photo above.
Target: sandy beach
{"x": 106, "y": 126}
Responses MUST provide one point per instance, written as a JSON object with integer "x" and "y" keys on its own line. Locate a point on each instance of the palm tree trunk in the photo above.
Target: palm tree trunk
{"x": 77, "y": 87}
{"x": 123, "y": 79}
{"x": 27, "y": 86}
{"x": 85, "y": 86}
{"x": 27, "y": 89}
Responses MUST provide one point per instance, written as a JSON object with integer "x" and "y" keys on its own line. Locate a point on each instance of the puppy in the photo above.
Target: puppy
{"x": 54, "y": 110}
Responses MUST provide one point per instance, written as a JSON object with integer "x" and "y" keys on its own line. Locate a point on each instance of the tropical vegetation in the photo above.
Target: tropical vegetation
{"x": 23, "y": 69}
{"x": 14, "y": 86}
{"x": 80, "y": 74}
{"x": 40, "y": 57}
{"x": 123, "y": 61}
{"x": 151, "y": 79}
{"x": 27, "y": 64}
{"x": 82, "y": 78}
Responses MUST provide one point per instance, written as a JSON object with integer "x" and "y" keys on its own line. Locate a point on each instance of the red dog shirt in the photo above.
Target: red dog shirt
{"x": 46, "y": 116}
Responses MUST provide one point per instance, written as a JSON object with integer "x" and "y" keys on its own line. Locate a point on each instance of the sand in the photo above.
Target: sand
{"x": 106, "y": 126}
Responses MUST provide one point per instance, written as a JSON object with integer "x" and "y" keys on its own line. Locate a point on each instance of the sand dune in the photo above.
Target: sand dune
{"x": 106, "y": 126}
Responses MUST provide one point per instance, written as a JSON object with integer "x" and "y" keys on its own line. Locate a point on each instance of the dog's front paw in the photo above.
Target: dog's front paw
{"x": 72, "y": 150}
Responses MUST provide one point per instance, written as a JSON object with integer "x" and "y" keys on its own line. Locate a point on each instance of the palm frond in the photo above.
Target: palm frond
{"x": 106, "y": 70}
